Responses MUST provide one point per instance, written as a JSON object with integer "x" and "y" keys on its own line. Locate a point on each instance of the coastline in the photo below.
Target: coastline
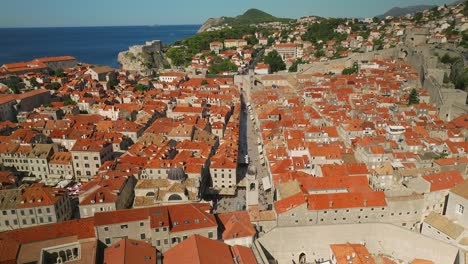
{"x": 95, "y": 45}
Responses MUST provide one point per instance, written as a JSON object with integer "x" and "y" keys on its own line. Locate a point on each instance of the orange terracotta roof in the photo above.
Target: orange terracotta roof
{"x": 346, "y": 200}
{"x": 289, "y": 203}
{"x": 344, "y": 254}
{"x": 199, "y": 250}
{"x": 130, "y": 251}
{"x": 243, "y": 255}
{"x": 236, "y": 225}
{"x": 444, "y": 180}
{"x": 81, "y": 228}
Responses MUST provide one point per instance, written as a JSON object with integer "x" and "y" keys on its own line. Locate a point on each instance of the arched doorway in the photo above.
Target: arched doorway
{"x": 302, "y": 258}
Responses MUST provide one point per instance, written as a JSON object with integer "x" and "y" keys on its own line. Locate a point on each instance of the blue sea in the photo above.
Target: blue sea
{"x": 96, "y": 45}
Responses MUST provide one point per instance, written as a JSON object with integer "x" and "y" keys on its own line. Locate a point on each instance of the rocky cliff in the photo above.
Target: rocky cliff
{"x": 145, "y": 59}
{"x": 210, "y": 23}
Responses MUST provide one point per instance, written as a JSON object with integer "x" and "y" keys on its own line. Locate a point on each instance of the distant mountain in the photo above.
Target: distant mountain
{"x": 251, "y": 16}
{"x": 402, "y": 11}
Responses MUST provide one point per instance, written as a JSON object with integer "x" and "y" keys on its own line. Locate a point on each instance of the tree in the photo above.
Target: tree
{"x": 465, "y": 10}
{"x": 15, "y": 84}
{"x": 34, "y": 83}
{"x": 252, "y": 40}
{"x": 54, "y": 86}
{"x": 59, "y": 73}
{"x": 378, "y": 44}
{"x": 414, "y": 97}
{"x": 218, "y": 65}
{"x": 293, "y": 67}
{"x": 141, "y": 88}
{"x": 418, "y": 16}
{"x": 319, "y": 53}
{"x": 275, "y": 61}
{"x": 351, "y": 70}
{"x": 113, "y": 83}
{"x": 177, "y": 55}
{"x": 446, "y": 78}
{"x": 325, "y": 31}
{"x": 447, "y": 59}
{"x": 69, "y": 102}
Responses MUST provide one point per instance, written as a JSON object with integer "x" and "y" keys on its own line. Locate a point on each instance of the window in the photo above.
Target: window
{"x": 7, "y": 223}
{"x": 39, "y": 211}
{"x": 13, "y": 212}
{"x": 33, "y": 220}
{"x": 50, "y": 219}
{"x": 164, "y": 229}
{"x": 156, "y": 230}
{"x": 86, "y": 158}
{"x": 31, "y": 211}
{"x": 142, "y": 224}
{"x": 108, "y": 241}
{"x": 210, "y": 234}
{"x": 123, "y": 226}
{"x": 158, "y": 243}
{"x": 15, "y": 222}
{"x": 25, "y": 222}
{"x": 459, "y": 209}
{"x": 106, "y": 228}
{"x": 142, "y": 236}
{"x": 4, "y": 212}
{"x": 165, "y": 241}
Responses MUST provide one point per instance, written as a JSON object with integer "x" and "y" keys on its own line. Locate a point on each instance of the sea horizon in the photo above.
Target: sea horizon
{"x": 96, "y": 45}
{"x": 165, "y": 25}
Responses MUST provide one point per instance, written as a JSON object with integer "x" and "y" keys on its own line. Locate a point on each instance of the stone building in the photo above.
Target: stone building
{"x": 106, "y": 193}
{"x": 162, "y": 226}
{"x": 34, "y": 205}
{"x": 102, "y": 73}
{"x": 344, "y": 200}
{"x": 88, "y": 155}
{"x": 38, "y": 159}
{"x": 61, "y": 166}
{"x": 70, "y": 242}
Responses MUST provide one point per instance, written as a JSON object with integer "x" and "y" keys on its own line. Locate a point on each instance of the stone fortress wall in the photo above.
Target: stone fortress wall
{"x": 154, "y": 46}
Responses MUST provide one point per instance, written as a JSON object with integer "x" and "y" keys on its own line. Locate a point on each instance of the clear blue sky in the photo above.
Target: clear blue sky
{"x": 60, "y": 13}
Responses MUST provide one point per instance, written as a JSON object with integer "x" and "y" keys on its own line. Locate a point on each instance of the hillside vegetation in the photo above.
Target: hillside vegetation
{"x": 253, "y": 16}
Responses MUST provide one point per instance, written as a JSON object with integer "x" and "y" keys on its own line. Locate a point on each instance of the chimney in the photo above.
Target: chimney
{"x": 365, "y": 202}
{"x": 331, "y": 204}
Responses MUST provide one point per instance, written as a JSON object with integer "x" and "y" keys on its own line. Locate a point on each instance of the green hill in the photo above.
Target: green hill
{"x": 251, "y": 16}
